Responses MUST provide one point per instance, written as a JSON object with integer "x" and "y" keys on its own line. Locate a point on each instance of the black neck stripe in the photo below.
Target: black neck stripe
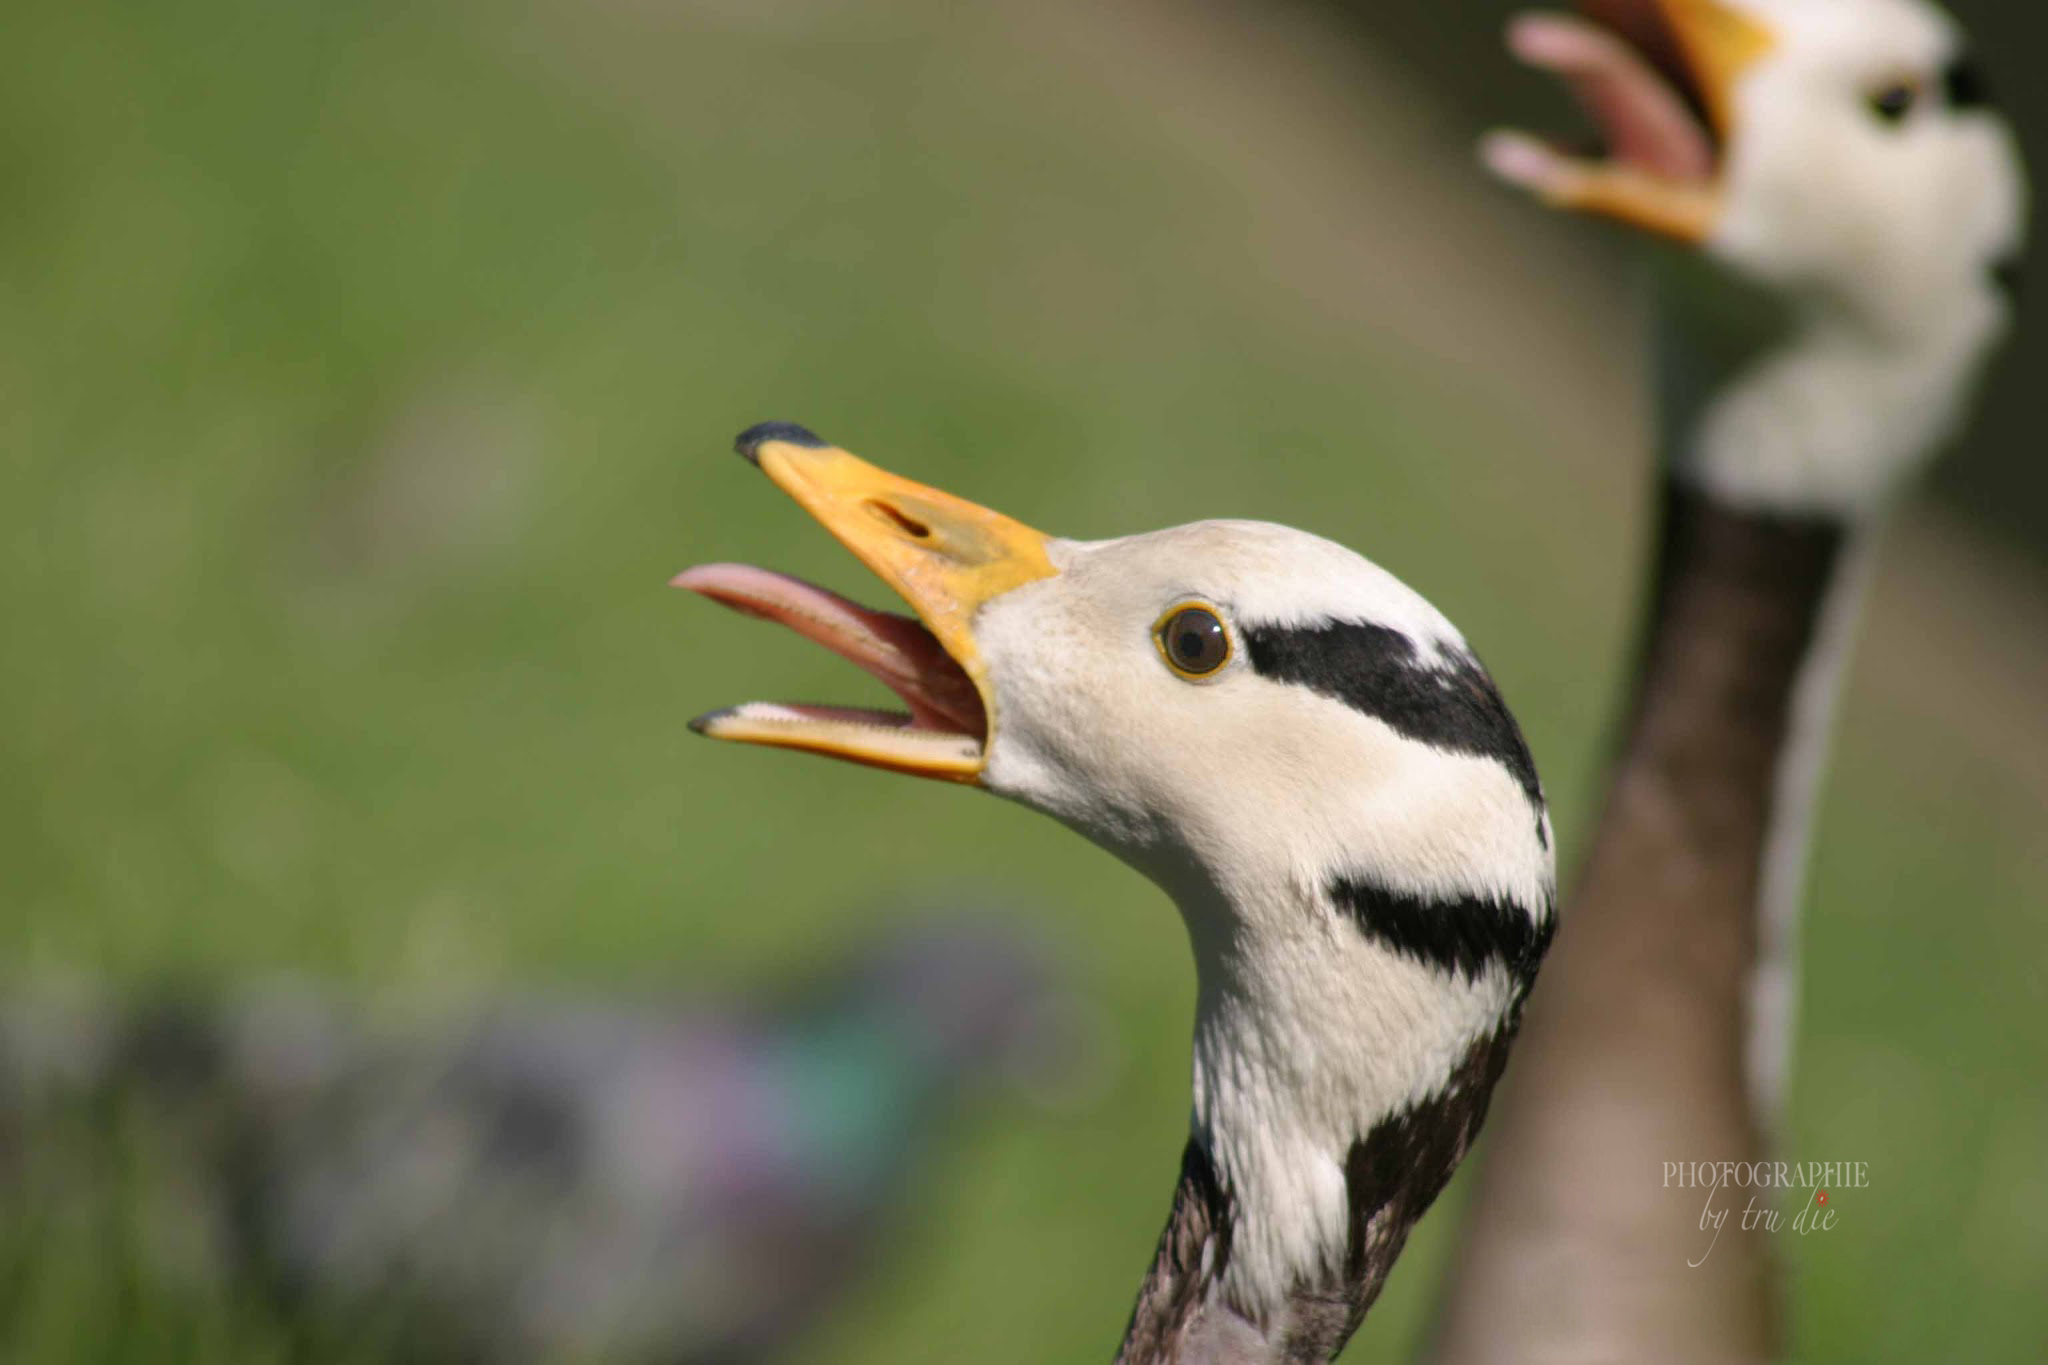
{"x": 1462, "y": 934}
{"x": 1395, "y": 1172}
{"x": 1451, "y": 705}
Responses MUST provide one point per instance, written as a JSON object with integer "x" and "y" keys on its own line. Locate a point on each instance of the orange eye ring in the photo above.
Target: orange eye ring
{"x": 1193, "y": 640}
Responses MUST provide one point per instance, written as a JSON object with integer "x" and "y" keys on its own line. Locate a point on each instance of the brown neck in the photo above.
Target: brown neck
{"x": 1633, "y": 1055}
{"x": 1392, "y": 1174}
{"x": 1735, "y": 609}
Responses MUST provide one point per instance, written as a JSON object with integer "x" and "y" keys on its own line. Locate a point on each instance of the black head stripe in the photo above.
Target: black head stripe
{"x": 1451, "y": 704}
{"x": 1966, "y": 85}
{"x": 1462, "y": 934}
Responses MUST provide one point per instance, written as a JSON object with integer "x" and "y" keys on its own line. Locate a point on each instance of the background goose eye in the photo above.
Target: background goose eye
{"x": 1894, "y": 101}
{"x": 1194, "y": 641}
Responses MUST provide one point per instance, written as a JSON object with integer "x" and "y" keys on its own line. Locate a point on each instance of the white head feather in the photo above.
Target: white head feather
{"x": 1851, "y": 177}
{"x": 1245, "y": 797}
{"x": 1881, "y": 236}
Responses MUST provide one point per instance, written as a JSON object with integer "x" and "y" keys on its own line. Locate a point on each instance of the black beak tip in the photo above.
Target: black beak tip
{"x": 700, "y": 724}
{"x": 749, "y": 442}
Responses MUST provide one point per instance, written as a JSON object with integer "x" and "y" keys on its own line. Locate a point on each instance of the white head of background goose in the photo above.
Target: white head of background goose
{"x": 1849, "y": 209}
{"x": 1841, "y": 157}
{"x": 1301, "y": 752}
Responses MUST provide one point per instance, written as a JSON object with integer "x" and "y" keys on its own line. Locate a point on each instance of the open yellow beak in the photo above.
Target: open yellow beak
{"x": 1682, "y": 212}
{"x": 1661, "y": 78}
{"x": 1720, "y": 44}
{"x": 947, "y": 557}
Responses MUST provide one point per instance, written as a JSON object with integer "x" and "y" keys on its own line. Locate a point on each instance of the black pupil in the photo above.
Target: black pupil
{"x": 1893, "y": 103}
{"x": 1195, "y": 639}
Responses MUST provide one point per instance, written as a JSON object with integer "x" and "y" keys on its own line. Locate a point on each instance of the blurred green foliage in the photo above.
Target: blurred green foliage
{"x": 367, "y": 369}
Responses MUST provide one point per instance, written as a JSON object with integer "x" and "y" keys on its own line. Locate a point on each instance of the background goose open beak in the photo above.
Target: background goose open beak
{"x": 1659, "y": 78}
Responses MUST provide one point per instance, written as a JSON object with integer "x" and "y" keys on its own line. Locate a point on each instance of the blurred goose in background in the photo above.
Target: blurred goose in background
{"x": 1307, "y": 758}
{"x": 537, "y": 1179}
{"x": 1850, "y": 208}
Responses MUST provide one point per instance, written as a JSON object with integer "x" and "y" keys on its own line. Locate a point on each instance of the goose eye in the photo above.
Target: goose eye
{"x": 1194, "y": 641}
{"x": 1893, "y": 102}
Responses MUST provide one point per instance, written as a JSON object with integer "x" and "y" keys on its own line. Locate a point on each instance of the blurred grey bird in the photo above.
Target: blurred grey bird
{"x": 542, "y": 1177}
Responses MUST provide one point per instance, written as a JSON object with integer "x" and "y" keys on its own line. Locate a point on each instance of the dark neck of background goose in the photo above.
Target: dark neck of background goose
{"x": 1652, "y": 988}
{"x": 1741, "y": 603}
{"x": 1772, "y": 599}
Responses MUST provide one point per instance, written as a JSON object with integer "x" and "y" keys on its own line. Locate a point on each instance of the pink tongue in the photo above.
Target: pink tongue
{"x": 1647, "y": 124}
{"x": 897, "y": 650}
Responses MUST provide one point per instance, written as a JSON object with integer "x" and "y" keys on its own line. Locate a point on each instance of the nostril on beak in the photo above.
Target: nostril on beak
{"x": 900, "y": 519}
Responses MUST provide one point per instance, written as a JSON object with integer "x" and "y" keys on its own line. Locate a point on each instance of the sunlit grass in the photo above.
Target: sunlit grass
{"x": 366, "y": 370}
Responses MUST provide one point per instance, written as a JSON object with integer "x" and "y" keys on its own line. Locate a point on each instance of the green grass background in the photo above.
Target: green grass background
{"x": 364, "y": 372}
